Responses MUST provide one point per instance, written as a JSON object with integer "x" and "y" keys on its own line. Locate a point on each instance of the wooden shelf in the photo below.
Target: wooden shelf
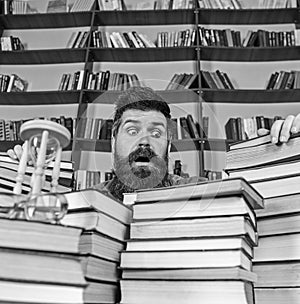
{"x": 145, "y": 17}
{"x": 44, "y": 56}
{"x": 250, "y": 53}
{"x": 39, "y": 98}
{"x": 249, "y": 16}
{"x": 251, "y": 96}
{"x": 53, "y": 20}
{"x": 177, "y": 145}
{"x": 143, "y": 54}
{"x": 171, "y": 96}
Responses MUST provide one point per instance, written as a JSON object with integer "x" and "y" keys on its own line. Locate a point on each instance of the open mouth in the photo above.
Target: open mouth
{"x": 142, "y": 159}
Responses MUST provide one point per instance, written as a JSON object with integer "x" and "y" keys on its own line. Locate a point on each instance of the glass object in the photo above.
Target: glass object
{"x": 48, "y": 207}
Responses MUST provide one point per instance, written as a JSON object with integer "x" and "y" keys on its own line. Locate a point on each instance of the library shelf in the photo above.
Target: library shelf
{"x": 145, "y": 17}
{"x": 280, "y": 53}
{"x": 39, "y": 98}
{"x": 239, "y": 96}
{"x": 248, "y": 16}
{"x": 43, "y": 56}
{"x": 143, "y": 54}
{"x": 43, "y": 21}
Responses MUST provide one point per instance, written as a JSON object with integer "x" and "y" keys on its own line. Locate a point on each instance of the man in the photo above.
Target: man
{"x": 140, "y": 144}
{"x": 142, "y": 139}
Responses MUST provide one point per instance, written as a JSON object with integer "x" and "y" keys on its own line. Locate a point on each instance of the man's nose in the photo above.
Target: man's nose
{"x": 144, "y": 141}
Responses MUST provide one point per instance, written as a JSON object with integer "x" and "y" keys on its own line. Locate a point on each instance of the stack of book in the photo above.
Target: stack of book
{"x": 274, "y": 171}
{"x": 105, "y": 222}
{"x": 191, "y": 242}
{"x": 40, "y": 263}
{"x": 9, "y": 172}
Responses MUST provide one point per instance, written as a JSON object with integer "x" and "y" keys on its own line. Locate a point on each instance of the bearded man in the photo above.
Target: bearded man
{"x": 141, "y": 143}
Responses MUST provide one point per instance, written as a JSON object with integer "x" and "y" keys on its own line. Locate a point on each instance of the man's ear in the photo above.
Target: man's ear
{"x": 112, "y": 144}
{"x": 169, "y": 144}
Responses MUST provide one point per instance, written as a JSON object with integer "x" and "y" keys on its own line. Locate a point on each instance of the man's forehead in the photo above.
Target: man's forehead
{"x": 139, "y": 116}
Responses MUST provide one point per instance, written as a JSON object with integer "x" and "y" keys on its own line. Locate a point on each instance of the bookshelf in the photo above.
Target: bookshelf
{"x": 151, "y": 63}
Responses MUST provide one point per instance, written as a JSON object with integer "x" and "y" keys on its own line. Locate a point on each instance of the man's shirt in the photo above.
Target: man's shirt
{"x": 172, "y": 180}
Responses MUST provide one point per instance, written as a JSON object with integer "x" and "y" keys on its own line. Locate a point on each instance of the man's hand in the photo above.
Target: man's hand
{"x": 16, "y": 152}
{"x": 282, "y": 129}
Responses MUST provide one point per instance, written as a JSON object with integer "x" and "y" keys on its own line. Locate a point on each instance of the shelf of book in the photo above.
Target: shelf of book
{"x": 248, "y": 16}
{"x": 251, "y": 96}
{"x": 39, "y": 98}
{"x": 193, "y": 144}
{"x": 145, "y": 17}
{"x": 43, "y": 56}
{"x": 143, "y": 54}
{"x": 42, "y": 21}
{"x": 247, "y": 54}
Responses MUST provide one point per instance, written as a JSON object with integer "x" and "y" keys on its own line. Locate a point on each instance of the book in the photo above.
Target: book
{"x": 91, "y": 199}
{"x": 226, "y": 187}
{"x": 41, "y": 267}
{"x": 29, "y": 292}
{"x": 94, "y": 220}
{"x": 260, "y": 173}
{"x": 169, "y": 292}
{"x": 202, "y": 243}
{"x": 261, "y": 151}
{"x": 277, "y": 295}
{"x": 284, "y": 185}
{"x": 276, "y": 225}
{"x": 57, "y": 6}
{"x": 185, "y": 259}
{"x": 284, "y": 247}
{"x": 194, "y": 208}
{"x": 10, "y": 176}
{"x": 200, "y": 227}
{"x": 100, "y": 245}
{"x": 277, "y": 274}
{"x": 203, "y": 274}
{"x": 42, "y": 236}
{"x": 98, "y": 269}
{"x": 280, "y": 205}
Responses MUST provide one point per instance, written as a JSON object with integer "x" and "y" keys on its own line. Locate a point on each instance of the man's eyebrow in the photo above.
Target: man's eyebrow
{"x": 158, "y": 124}
{"x": 130, "y": 120}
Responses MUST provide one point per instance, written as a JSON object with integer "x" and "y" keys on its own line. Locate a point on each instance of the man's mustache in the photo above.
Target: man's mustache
{"x": 145, "y": 153}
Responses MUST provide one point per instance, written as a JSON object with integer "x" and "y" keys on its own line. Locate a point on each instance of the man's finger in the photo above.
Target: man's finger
{"x": 285, "y": 132}
{"x": 275, "y": 130}
{"x": 11, "y": 153}
{"x": 296, "y": 124}
{"x": 262, "y": 132}
{"x": 18, "y": 151}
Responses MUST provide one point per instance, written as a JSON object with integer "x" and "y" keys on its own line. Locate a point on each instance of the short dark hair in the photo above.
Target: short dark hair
{"x": 139, "y": 98}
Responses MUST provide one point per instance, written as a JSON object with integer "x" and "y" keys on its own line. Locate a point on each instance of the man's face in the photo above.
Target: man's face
{"x": 140, "y": 159}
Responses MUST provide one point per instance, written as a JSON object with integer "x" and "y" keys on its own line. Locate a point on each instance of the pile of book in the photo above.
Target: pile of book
{"x": 284, "y": 80}
{"x": 105, "y": 222}
{"x": 12, "y": 83}
{"x": 239, "y": 128}
{"x": 11, "y": 43}
{"x": 274, "y": 171}
{"x": 191, "y": 243}
{"x": 209, "y": 79}
{"x": 103, "y": 80}
{"x": 39, "y": 263}
{"x": 9, "y": 172}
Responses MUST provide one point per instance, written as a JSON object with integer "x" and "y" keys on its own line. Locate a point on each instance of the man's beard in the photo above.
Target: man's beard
{"x": 133, "y": 177}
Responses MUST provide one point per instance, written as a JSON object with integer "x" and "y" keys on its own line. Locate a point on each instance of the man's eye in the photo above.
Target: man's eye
{"x": 132, "y": 131}
{"x": 156, "y": 133}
